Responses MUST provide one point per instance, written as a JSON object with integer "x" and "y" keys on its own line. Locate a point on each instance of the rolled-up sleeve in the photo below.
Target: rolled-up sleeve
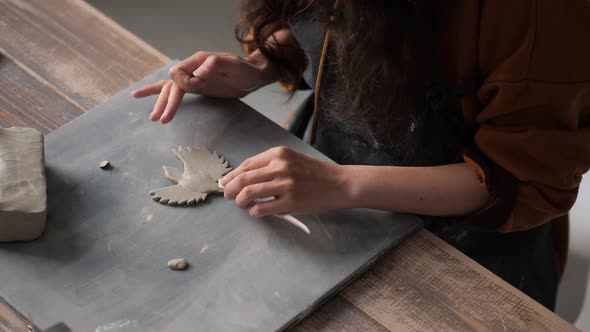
{"x": 530, "y": 151}
{"x": 532, "y": 145}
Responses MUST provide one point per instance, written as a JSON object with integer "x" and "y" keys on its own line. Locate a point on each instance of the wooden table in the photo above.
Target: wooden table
{"x": 60, "y": 58}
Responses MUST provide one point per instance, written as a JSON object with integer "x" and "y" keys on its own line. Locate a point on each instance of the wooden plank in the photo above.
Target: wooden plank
{"x": 75, "y": 48}
{"x": 425, "y": 284}
{"x": 27, "y": 102}
{"x": 339, "y": 315}
{"x": 11, "y": 320}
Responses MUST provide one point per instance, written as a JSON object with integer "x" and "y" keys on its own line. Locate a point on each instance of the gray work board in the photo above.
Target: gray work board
{"x": 101, "y": 263}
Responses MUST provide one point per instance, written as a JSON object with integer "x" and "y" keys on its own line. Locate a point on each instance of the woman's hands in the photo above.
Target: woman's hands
{"x": 299, "y": 183}
{"x": 214, "y": 74}
{"x": 302, "y": 185}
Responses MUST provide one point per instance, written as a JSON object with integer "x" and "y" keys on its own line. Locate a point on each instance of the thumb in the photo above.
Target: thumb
{"x": 181, "y": 73}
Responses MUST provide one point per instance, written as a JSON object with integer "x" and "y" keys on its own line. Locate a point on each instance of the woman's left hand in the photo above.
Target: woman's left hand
{"x": 300, "y": 184}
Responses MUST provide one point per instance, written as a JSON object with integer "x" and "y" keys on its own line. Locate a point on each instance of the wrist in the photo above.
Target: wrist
{"x": 349, "y": 186}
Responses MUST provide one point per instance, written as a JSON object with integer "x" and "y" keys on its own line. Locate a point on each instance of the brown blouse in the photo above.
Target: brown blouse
{"x": 532, "y": 112}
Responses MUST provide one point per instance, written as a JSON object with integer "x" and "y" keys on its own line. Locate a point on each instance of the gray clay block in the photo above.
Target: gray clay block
{"x": 23, "y": 194}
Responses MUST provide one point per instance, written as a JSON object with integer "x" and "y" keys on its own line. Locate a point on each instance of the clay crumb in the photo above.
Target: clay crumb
{"x": 104, "y": 164}
{"x": 177, "y": 264}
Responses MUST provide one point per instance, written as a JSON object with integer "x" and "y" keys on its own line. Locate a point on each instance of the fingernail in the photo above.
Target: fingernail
{"x": 201, "y": 71}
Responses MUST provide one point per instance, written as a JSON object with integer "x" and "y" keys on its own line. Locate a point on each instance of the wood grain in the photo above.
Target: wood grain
{"x": 339, "y": 315}
{"x": 64, "y": 57}
{"x": 27, "y": 102}
{"x": 426, "y": 285}
{"x": 74, "y": 48}
{"x": 11, "y": 320}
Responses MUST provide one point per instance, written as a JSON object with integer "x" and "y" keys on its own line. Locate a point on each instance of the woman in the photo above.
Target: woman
{"x": 474, "y": 114}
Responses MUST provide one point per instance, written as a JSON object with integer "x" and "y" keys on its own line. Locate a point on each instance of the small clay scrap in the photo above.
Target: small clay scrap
{"x": 177, "y": 264}
{"x": 104, "y": 164}
{"x": 202, "y": 170}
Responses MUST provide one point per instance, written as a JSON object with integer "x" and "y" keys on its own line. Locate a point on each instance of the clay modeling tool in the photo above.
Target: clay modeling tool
{"x": 294, "y": 221}
{"x": 286, "y": 217}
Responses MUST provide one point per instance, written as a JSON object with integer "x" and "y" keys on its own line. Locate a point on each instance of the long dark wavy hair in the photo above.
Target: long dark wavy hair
{"x": 382, "y": 49}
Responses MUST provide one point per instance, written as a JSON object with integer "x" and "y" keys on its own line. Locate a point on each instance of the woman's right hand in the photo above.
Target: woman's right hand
{"x": 214, "y": 74}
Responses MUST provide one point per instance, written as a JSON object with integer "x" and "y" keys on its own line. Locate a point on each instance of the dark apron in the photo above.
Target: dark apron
{"x": 525, "y": 259}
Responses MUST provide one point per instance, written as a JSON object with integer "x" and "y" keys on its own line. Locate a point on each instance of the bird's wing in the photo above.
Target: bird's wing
{"x": 176, "y": 195}
{"x": 202, "y": 159}
{"x": 172, "y": 173}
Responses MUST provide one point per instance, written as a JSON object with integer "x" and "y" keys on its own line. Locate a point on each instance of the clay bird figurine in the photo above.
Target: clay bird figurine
{"x": 202, "y": 171}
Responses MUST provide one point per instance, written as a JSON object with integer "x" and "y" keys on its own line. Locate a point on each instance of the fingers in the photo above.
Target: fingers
{"x": 245, "y": 179}
{"x": 168, "y": 101}
{"x": 193, "y": 62}
{"x": 248, "y": 196}
{"x": 277, "y": 155}
{"x": 258, "y": 161}
{"x": 193, "y": 74}
{"x": 161, "y": 102}
{"x": 174, "y": 99}
{"x": 182, "y": 72}
{"x": 276, "y": 206}
{"x": 221, "y": 66}
{"x": 273, "y": 173}
{"x": 149, "y": 90}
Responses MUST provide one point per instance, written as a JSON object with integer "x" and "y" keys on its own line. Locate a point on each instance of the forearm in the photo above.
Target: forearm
{"x": 449, "y": 190}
